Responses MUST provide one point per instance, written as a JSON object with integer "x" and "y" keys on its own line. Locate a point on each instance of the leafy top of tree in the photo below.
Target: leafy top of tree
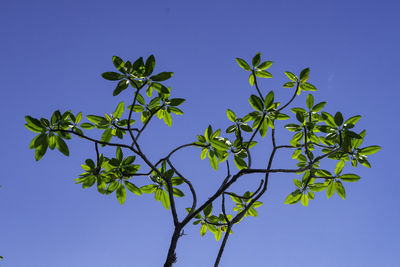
{"x": 317, "y": 136}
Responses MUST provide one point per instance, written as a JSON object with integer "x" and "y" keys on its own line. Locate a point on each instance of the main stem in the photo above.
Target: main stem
{"x": 171, "y": 257}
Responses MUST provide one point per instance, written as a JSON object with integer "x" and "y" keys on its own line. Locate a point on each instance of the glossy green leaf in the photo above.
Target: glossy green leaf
{"x": 369, "y": 150}
{"x": 353, "y": 120}
{"x": 310, "y": 101}
{"x": 87, "y": 125}
{"x": 118, "y": 63}
{"x": 304, "y": 74}
{"x": 112, "y": 76}
{"x": 148, "y": 189}
{"x": 289, "y": 84}
{"x": 331, "y": 189}
{"x": 121, "y": 194}
{"x": 167, "y": 118}
{"x": 349, "y": 177}
{"x": 176, "y": 101}
{"x": 213, "y": 160}
{"x": 339, "y": 167}
{"x": 203, "y": 229}
{"x": 264, "y": 128}
{"x": 106, "y": 136}
{"x": 161, "y": 76}
{"x": 265, "y": 65}
{"x": 231, "y": 115}
{"x": 251, "y": 79}
{"x": 291, "y": 76}
{"x": 269, "y": 99}
{"x": 243, "y": 64}
{"x": 340, "y": 190}
{"x": 119, "y": 110}
{"x": 256, "y": 59}
{"x": 61, "y": 145}
{"x": 165, "y": 199}
{"x": 304, "y": 200}
{"x": 149, "y": 66}
{"x": 240, "y": 163}
{"x": 256, "y": 103}
{"x": 338, "y": 118}
{"x": 207, "y": 210}
{"x": 133, "y": 188}
{"x": 263, "y": 74}
{"x": 318, "y": 107}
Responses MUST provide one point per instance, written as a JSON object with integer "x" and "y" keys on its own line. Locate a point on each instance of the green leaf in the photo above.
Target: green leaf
{"x": 293, "y": 127}
{"x": 328, "y": 118}
{"x": 310, "y": 101}
{"x": 149, "y": 66}
{"x": 251, "y": 79}
{"x": 207, "y": 210}
{"x": 331, "y": 189}
{"x": 291, "y": 76}
{"x": 353, "y": 120}
{"x": 289, "y": 84}
{"x": 204, "y": 152}
{"x": 243, "y": 64}
{"x": 133, "y": 188}
{"x": 240, "y": 163}
{"x": 256, "y": 59}
{"x": 40, "y": 151}
{"x": 264, "y": 127}
{"x": 340, "y": 190}
{"x": 97, "y": 120}
{"x": 293, "y": 197}
{"x": 213, "y": 160}
{"x": 167, "y": 118}
{"x": 369, "y": 150}
{"x": 218, "y": 234}
{"x": 121, "y": 194}
{"x": 33, "y": 124}
{"x": 119, "y": 110}
{"x": 304, "y": 200}
{"x": 269, "y": 99}
{"x": 118, "y": 63}
{"x": 87, "y": 125}
{"x": 265, "y": 65}
{"x": 106, "y": 136}
{"x": 161, "y": 76}
{"x": 256, "y": 103}
{"x": 349, "y": 177}
{"x": 308, "y": 87}
{"x": 338, "y": 118}
{"x": 203, "y": 229}
{"x": 178, "y": 193}
{"x": 339, "y": 167}
{"x": 165, "y": 199}
{"x": 148, "y": 189}
{"x": 61, "y": 145}
{"x": 263, "y": 74}
{"x": 231, "y": 115}
{"x": 304, "y": 75}
{"x": 112, "y": 76}
{"x": 297, "y": 183}
{"x": 176, "y": 101}
{"x": 318, "y": 107}
{"x": 219, "y": 144}
{"x": 52, "y": 141}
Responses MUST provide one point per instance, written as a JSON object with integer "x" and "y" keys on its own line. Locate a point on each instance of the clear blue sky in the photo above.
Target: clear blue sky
{"x": 52, "y": 55}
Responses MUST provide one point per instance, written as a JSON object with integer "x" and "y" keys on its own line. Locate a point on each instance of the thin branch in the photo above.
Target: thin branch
{"x": 94, "y": 140}
{"x": 293, "y": 97}
{"x": 256, "y": 84}
{"x": 194, "y": 203}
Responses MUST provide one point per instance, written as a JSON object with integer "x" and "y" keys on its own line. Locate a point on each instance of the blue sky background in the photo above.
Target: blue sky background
{"x": 52, "y": 55}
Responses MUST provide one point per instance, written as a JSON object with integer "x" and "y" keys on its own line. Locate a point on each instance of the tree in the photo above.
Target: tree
{"x": 318, "y": 136}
